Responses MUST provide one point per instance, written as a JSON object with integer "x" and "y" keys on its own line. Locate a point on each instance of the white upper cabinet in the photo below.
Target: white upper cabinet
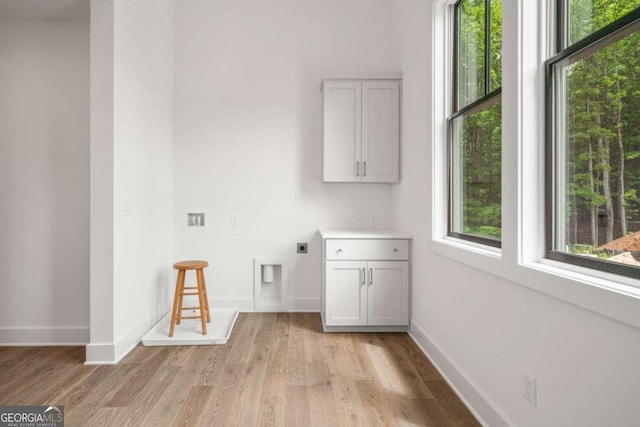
{"x": 361, "y": 130}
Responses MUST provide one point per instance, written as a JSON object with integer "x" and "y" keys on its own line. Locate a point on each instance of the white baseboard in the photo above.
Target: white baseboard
{"x": 131, "y": 339}
{"x": 304, "y": 305}
{"x": 31, "y": 336}
{"x": 112, "y": 353}
{"x": 100, "y": 354}
{"x": 477, "y": 402}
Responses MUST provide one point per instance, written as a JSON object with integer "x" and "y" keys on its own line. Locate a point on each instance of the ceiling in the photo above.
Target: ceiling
{"x": 44, "y": 9}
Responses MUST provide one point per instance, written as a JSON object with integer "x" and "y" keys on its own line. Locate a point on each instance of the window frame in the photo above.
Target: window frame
{"x": 528, "y": 41}
{"x": 601, "y": 38}
{"x": 485, "y": 101}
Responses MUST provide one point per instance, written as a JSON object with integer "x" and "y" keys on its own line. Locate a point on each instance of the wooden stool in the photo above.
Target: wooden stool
{"x": 176, "y": 314}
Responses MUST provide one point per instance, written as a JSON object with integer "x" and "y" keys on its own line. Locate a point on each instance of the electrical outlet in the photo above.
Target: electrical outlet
{"x": 529, "y": 387}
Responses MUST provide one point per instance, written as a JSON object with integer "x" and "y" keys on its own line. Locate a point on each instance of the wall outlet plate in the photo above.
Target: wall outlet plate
{"x": 302, "y": 248}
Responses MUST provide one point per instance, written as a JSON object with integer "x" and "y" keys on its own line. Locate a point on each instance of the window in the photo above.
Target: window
{"x": 593, "y": 136}
{"x": 475, "y": 126}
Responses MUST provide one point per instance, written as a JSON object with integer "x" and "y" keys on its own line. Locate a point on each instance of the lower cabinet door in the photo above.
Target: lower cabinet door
{"x": 388, "y": 293}
{"x": 346, "y": 293}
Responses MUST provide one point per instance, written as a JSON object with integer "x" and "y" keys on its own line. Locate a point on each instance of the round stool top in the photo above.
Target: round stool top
{"x": 190, "y": 265}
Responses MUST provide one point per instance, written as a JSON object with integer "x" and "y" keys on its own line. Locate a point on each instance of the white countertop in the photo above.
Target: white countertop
{"x": 364, "y": 234}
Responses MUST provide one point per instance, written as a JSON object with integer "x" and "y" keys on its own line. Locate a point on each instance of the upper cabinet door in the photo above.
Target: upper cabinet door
{"x": 380, "y": 131}
{"x": 342, "y": 127}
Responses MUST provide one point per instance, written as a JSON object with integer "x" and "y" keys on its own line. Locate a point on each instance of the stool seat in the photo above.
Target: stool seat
{"x": 181, "y": 291}
{"x": 190, "y": 265}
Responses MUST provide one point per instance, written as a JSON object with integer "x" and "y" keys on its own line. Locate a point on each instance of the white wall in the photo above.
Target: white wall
{"x": 44, "y": 181}
{"x": 248, "y": 133}
{"x": 482, "y": 330}
{"x": 137, "y": 140}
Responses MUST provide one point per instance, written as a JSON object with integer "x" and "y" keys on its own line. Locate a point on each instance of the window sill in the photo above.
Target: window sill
{"x": 469, "y": 246}
{"x": 482, "y": 257}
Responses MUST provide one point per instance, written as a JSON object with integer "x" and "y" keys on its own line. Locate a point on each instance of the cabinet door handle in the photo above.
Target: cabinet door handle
{"x": 363, "y": 276}
{"x": 357, "y": 168}
{"x": 371, "y": 276}
{"x": 364, "y": 168}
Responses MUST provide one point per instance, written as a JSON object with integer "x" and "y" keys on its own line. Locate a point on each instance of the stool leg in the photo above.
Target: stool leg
{"x": 206, "y": 296}
{"x": 175, "y": 314}
{"x": 199, "y": 276}
{"x": 182, "y": 279}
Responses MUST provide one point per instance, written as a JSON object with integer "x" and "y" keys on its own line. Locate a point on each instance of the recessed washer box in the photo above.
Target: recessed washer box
{"x": 195, "y": 219}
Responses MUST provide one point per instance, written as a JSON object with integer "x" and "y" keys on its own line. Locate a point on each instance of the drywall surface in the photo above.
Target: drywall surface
{"x": 132, "y": 172}
{"x": 100, "y": 347}
{"x": 143, "y": 179}
{"x": 44, "y": 181}
{"x": 482, "y": 330}
{"x": 248, "y": 134}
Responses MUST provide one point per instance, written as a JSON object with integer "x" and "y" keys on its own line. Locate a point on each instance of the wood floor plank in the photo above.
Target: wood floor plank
{"x": 107, "y": 388}
{"x": 43, "y": 384}
{"x": 142, "y": 354}
{"x": 20, "y": 376}
{"x": 315, "y": 348}
{"x": 360, "y": 359}
{"x": 246, "y": 408}
{"x": 322, "y": 405}
{"x": 193, "y": 406}
{"x": 277, "y": 369}
{"x": 282, "y": 326}
{"x": 81, "y": 415}
{"x": 395, "y": 390}
{"x": 180, "y": 355}
{"x": 403, "y": 364}
{"x": 457, "y": 413}
{"x": 273, "y": 397}
{"x": 217, "y": 356}
{"x": 267, "y": 327}
{"x": 431, "y": 413}
{"x": 104, "y": 417}
{"x": 296, "y": 360}
{"x": 220, "y": 404}
{"x": 142, "y": 405}
{"x": 297, "y": 406}
{"x": 241, "y": 345}
{"x": 54, "y": 395}
{"x": 169, "y": 403}
{"x": 349, "y": 407}
{"x": 375, "y": 406}
{"x": 79, "y": 391}
{"x": 12, "y": 355}
{"x": 423, "y": 366}
{"x": 138, "y": 380}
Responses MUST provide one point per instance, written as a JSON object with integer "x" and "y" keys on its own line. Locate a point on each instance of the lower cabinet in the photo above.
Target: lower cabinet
{"x": 366, "y": 293}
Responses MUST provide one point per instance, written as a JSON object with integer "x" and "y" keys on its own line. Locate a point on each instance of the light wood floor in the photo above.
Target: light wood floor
{"x": 277, "y": 369}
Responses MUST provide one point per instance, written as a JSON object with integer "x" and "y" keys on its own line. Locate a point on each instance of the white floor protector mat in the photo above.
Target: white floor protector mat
{"x": 189, "y": 331}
